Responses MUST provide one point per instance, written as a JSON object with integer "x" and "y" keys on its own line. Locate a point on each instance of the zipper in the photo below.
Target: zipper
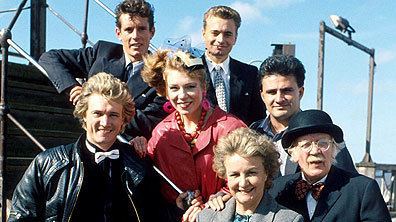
{"x": 130, "y": 198}
{"x": 78, "y": 191}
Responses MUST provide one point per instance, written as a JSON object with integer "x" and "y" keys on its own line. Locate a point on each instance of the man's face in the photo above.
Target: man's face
{"x": 281, "y": 96}
{"x": 316, "y": 163}
{"x": 135, "y": 36}
{"x": 220, "y": 36}
{"x": 103, "y": 121}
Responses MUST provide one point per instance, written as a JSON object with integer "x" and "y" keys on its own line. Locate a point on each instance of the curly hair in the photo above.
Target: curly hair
{"x": 135, "y": 8}
{"x": 223, "y": 12}
{"x": 247, "y": 143}
{"x": 158, "y": 65}
{"x": 285, "y": 65}
{"x": 109, "y": 87}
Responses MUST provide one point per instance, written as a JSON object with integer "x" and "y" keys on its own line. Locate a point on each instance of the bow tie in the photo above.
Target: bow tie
{"x": 303, "y": 187}
{"x": 113, "y": 154}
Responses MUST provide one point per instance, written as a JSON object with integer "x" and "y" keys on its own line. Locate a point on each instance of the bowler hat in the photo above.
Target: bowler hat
{"x": 310, "y": 121}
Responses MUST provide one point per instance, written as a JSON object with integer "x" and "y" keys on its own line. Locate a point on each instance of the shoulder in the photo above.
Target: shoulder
{"x": 241, "y": 65}
{"x": 285, "y": 214}
{"x": 56, "y": 154}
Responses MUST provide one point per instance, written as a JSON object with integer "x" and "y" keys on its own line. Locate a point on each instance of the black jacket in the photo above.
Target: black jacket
{"x": 64, "y": 66}
{"x": 50, "y": 186}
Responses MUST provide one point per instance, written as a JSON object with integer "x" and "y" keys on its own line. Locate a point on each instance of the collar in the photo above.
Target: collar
{"x": 266, "y": 128}
{"x": 134, "y": 64}
{"x": 321, "y": 180}
{"x": 225, "y": 65}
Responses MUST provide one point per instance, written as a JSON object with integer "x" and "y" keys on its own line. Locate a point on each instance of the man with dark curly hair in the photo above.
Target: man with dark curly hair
{"x": 134, "y": 28}
{"x": 97, "y": 178}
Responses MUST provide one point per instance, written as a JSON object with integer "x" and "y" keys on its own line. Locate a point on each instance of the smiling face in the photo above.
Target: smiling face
{"x": 184, "y": 93}
{"x": 103, "y": 121}
{"x": 316, "y": 163}
{"x": 246, "y": 178}
{"x": 135, "y": 36}
{"x": 281, "y": 96}
{"x": 220, "y": 36}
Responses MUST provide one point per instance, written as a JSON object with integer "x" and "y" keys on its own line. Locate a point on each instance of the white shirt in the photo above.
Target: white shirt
{"x": 311, "y": 202}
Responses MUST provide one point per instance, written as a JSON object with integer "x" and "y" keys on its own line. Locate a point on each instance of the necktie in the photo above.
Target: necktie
{"x": 220, "y": 88}
{"x": 128, "y": 71}
{"x": 303, "y": 187}
{"x": 113, "y": 154}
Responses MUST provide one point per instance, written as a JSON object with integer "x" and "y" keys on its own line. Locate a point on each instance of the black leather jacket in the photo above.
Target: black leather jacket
{"x": 50, "y": 186}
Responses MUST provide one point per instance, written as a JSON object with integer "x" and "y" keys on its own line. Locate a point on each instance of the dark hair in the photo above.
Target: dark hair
{"x": 135, "y": 8}
{"x": 223, "y": 12}
{"x": 285, "y": 65}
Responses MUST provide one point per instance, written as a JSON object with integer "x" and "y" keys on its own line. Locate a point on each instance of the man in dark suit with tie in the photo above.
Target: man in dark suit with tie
{"x": 231, "y": 84}
{"x": 282, "y": 82}
{"x": 134, "y": 28}
{"x": 322, "y": 191}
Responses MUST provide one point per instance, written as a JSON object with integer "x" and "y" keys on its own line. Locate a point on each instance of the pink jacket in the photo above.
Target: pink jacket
{"x": 190, "y": 169}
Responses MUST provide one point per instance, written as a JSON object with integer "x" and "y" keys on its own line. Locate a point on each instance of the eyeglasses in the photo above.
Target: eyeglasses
{"x": 322, "y": 144}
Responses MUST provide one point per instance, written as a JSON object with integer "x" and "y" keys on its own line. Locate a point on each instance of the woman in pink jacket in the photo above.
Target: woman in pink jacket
{"x": 182, "y": 144}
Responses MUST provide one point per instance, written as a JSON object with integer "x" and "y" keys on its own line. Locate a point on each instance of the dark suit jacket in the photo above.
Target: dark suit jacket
{"x": 64, "y": 66}
{"x": 346, "y": 197}
{"x": 245, "y": 99}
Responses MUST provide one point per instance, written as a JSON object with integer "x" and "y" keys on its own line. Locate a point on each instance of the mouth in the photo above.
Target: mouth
{"x": 184, "y": 105}
{"x": 245, "y": 191}
{"x": 135, "y": 45}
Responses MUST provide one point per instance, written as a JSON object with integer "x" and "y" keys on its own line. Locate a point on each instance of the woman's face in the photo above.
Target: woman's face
{"x": 246, "y": 180}
{"x": 184, "y": 93}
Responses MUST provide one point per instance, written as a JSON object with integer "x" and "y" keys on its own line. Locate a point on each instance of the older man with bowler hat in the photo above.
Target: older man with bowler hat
{"x": 321, "y": 191}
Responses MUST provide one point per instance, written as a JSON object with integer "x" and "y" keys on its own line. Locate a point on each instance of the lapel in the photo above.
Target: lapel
{"x": 330, "y": 194}
{"x": 235, "y": 84}
{"x": 287, "y": 197}
{"x": 116, "y": 67}
{"x": 227, "y": 214}
{"x": 265, "y": 210}
{"x": 210, "y": 90}
{"x": 137, "y": 85}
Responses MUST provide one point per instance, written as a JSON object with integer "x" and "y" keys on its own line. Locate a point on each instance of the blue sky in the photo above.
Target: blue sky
{"x": 265, "y": 22}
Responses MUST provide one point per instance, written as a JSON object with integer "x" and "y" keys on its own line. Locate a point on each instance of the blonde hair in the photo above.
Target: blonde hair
{"x": 223, "y": 12}
{"x": 247, "y": 143}
{"x": 110, "y": 88}
{"x": 158, "y": 65}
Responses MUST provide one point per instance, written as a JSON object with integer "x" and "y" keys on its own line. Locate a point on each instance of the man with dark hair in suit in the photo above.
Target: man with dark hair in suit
{"x": 134, "y": 28}
{"x": 322, "y": 191}
{"x": 231, "y": 84}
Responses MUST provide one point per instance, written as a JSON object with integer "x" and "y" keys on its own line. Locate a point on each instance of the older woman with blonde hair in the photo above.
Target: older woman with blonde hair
{"x": 249, "y": 162}
{"x": 182, "y": 144}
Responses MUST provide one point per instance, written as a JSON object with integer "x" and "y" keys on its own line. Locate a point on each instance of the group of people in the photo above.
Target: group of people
{"x": 189, "y": 116}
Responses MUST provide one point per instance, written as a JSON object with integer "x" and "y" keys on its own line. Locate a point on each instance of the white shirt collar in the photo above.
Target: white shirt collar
{"x": 225, "y": 65}
{"x": 127, "y": 61}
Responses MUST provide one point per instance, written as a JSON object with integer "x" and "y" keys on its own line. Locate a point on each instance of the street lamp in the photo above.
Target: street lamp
{"x": 343, "y": 25}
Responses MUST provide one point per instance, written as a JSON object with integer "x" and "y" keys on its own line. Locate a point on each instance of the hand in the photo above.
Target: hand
{"x": 140, "y": 145}
{"x": 182, "y": 198}
{"x": 216, "y": 202}
{"x": 191, "y": 214}
{"x": 75, "y": 93}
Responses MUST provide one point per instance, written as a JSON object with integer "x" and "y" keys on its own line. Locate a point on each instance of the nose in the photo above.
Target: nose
{"x": 315, "y": 149}
{"x": 243, "y": 182}
{"x": 134, "y": 33}
{"x": 183, "y": 94}
{"x": 220, "y": 37}
{"x": 280, "y": 97}
{"x": 104, "y": 120}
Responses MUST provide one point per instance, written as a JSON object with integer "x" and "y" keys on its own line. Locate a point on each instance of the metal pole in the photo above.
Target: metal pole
{"x": 84, "y": 35}
{"x": 319, "y": 98}
{"x": 367, "y": 156}
{"x": 37, "y": 27}
{"x": 4, "y": 34}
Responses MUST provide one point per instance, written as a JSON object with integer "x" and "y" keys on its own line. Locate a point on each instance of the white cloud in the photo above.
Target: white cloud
{"x": 248, "y": 12}
{"x": 186, "y": 23}
{"x": 385, "y": 56}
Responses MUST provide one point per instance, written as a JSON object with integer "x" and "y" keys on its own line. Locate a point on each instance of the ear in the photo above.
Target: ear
{"x": 152, "y": 32}
{"x": 118, "y": 33}
{"x": 301, "y": 92}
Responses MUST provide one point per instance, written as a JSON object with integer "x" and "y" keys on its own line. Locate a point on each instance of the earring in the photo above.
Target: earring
{"x": 168, "y": 108}
{"x": 205, "y": 102}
